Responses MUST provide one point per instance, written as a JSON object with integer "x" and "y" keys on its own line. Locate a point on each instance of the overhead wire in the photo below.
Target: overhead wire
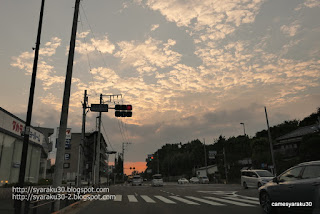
{"x": 87, "y": 55}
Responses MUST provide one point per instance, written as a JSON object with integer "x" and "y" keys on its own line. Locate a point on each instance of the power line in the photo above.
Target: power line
{"x": 107, "y": 136}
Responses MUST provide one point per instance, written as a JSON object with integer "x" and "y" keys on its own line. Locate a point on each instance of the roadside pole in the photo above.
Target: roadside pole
{"x": 271, "y": 146}
{"x": 97, "y": 171}
{"x": 24, "y": 154}
{"x": 57, "y": 181}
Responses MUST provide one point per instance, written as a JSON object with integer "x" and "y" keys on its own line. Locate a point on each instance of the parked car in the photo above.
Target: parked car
{"x": 157, "y": 180}
{"x": 203, "y": 180}
{"x": 255, "y": 178}
{"x": 194, "y": 180}
{"x": 183, "y": 181}
{"x": 300, "y": 183}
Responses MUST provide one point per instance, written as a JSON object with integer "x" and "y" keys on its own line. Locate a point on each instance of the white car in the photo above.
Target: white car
{"x": 157, "y": 180}
{"x": 204, "y": 180}
{"x": 255, "y": 178}
{"x": 136, "y": 180}
{"x": 194, "y": 180}
{"x": 183, "y": 181}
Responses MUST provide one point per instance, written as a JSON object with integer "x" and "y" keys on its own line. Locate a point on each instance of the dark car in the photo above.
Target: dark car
{"x": 300, "y": 183}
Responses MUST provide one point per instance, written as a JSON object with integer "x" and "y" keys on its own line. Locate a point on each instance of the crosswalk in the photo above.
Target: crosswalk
{"x": 242, "y": 201}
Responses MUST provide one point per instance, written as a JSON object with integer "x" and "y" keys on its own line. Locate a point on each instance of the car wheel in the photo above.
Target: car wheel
{"x": 265, "y": 203}
{"x": 245, "y": 185}
{"x": 259, "y": 185}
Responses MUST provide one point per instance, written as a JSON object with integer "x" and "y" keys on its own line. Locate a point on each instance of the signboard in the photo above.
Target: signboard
{"x": 68, "y": 138}
{"x": 16, "y": 126}
{"x": 99, "y": 107}
{"x": 212, "y": 154}
{"x": 67, "y": 156}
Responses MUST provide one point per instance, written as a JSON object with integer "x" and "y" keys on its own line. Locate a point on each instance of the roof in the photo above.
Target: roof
{"x": 300, "y": 132}
{"x": 310, "y": 163}
{"x": 208, "y": 167}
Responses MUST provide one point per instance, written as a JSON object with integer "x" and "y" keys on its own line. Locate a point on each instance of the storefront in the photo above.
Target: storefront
{"x": 11, "y": 141}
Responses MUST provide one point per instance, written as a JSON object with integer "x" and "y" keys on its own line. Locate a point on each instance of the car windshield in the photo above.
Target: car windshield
{"x": 157, "y": 177}
{"x": 136, "y": 177}
{"x": 264, "y": 174}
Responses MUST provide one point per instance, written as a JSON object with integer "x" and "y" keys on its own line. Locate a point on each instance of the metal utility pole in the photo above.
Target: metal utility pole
{"x": 158, "y": 162}
{"x": 84, "y": 106}
{"x": 97, "y": 167}
{"x": 225, "y": 165}
{"x": 24, "y": 154}
{"x": 244, "y": 129}
{"x": 271, "y": 146}
{"x": 65, "y": 107}
{"x": 123, "y": 149}
{"x": 205, "y": 156}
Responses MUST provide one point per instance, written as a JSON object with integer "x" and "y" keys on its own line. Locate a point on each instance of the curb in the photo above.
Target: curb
{"x": 70, "y": 207}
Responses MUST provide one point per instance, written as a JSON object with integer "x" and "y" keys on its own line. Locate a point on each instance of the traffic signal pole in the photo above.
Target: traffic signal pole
{"x": 97, "y": 167}
{"x": 81, "y": 144}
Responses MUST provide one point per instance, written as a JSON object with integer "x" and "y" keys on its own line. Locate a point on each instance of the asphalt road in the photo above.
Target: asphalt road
{"x": 173, "y": 198}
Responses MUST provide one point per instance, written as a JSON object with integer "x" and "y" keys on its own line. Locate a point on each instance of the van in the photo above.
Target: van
{"x": 136, "y": 180}
{"x": 157, "y": 180}
{"x": 255, "y": 178}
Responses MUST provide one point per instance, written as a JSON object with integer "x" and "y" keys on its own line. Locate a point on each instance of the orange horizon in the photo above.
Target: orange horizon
{"x": 139, "y": 166}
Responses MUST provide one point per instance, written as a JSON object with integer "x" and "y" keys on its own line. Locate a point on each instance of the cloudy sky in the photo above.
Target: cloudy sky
{"x": 190, "y": 68}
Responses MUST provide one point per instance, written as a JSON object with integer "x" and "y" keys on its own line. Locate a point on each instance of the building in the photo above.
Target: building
{"x": 11, "y": 142}
{"x": 70, "y": 167}
{"x": 288, "y": 144}
{"x": 202, "y": 172}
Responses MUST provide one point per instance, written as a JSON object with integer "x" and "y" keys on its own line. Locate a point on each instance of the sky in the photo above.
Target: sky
{"x": 192, "y": 69}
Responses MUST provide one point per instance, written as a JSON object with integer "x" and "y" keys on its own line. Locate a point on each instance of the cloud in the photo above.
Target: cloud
{"x": 45, "y": 72}
{"x": 102, "y": 45}
{"x": 290, "y": 30}
{"x": 154, "y": 27}
{"x": 148, "y": 55}
{"x": 208, "y": 18}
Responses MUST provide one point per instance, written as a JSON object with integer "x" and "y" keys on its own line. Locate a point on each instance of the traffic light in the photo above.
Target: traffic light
{"x": 151, "y": 158}
{"x": 123, "y": 110}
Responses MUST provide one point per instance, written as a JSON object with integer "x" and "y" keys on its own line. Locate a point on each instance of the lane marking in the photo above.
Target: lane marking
{"x": 247, "y": 197}
{"x": 230, "y": 202}
{"x": 205, "y": 201}
{"x": 242, "y": 200}
{"x": 184, "y": 200}
{"x": 132, "y": 198}
{"x": 165, "y": 200}
{"x": 118, "y": 198}
{"x": 147, "y": 199}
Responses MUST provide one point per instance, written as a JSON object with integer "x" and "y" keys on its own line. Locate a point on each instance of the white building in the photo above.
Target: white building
{"x": 11, "y": 142}
{"x": 202, "y": 172}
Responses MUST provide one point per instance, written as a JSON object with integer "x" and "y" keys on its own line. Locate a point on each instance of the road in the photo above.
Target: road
{"x": 173, "y": 198}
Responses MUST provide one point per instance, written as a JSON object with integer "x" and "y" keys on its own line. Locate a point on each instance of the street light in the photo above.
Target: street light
{"x": 244, "y": 129}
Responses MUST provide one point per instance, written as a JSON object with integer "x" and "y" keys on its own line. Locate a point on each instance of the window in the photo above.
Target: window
{"x": 290, "y": 175}
{"x": 311, "y": 172}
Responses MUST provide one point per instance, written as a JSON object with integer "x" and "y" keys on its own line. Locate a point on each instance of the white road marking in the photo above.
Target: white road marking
{"x": 230, "y": 202}
{"x": 243, "y": 200}
{"x": 184, "y": 200}
{"x": 132, "y": 198}
{"x": 251, "y": 198}
{"x": 165, "y": 200}
{"x": 118, "y": 198}
{"x": 147, "y": 199}
{"x": 205, "y": 201}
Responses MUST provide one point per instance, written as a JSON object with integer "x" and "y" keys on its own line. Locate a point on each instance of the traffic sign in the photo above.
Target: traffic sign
{"x": 99, "y": 107}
